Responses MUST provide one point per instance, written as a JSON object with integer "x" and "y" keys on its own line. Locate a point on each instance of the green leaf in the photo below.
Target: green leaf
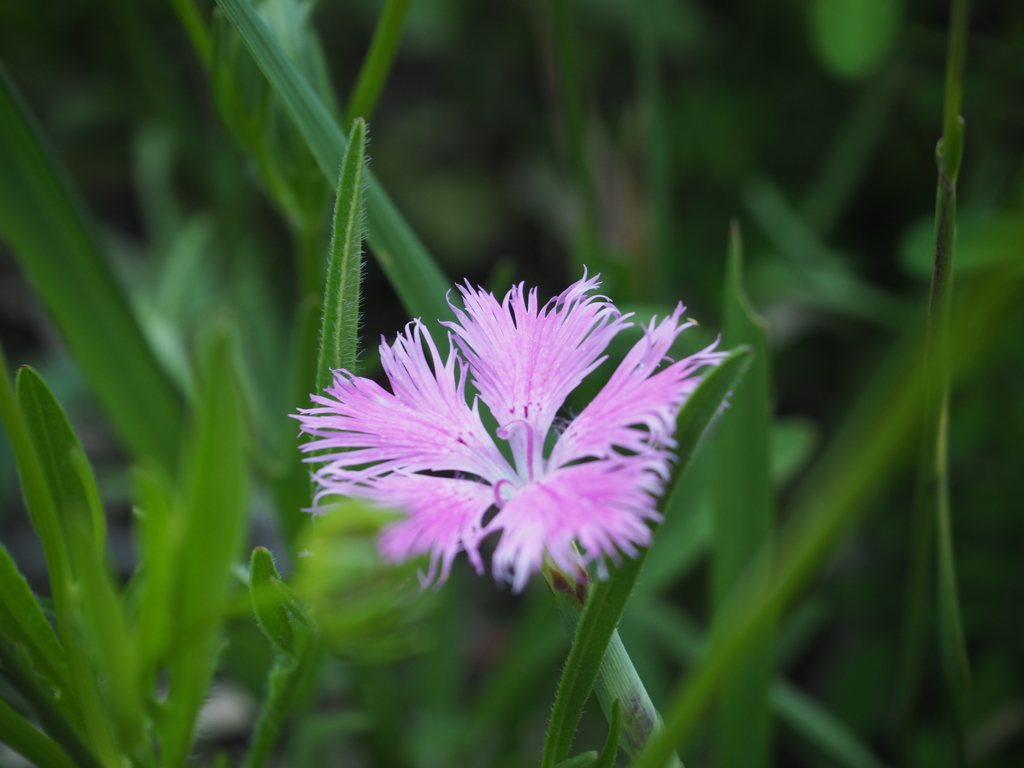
{"x": 340, "y": 330}
{"x": 23, "y": 622}
{"x": 610, "y": 750}
{"x": 46, "y": 227}
{"x": 68, "y": 473}
{"x": 84, "y": 701}
{"x": 684, "y": 642}
{"x": 743, "y": 520}
{"x": 607, "y": 599}
{"x": 417, "y": 280}
{"x": 158, "y": 550}
{"x": 50, "y": 713}
{"x": 213, "y": 525}
{"x": 374, "y": 72}
{"x": 820, "y": 727}
{"x": 582, "y": 760}
{"x": 278, "y": 611}
{"x": 17, "y": 733}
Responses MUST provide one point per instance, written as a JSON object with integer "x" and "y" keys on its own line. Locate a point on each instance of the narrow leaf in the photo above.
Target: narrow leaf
{"x": 48, "y": 231}
{"x": 607, "y": 599}
{"x": 216, "y": 494}
{"x": 72, "y": 486}
{"x": 340, "y": 328}
{"x": 23, "y": 622}
{"x": 17, "y": 733}
{"x": 743, "y": 520}
{"x": 417, "y": 280}
{"x": 610, "y": 750}
{"x": 377, "y": 64}
{"x": 582, "y": 760}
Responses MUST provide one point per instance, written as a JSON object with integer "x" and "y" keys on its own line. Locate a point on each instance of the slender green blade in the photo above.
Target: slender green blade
{"x": 820, "y": 727}
{"x": 22, "y": 620}
{"x": 374, "y": 72}
{"x": 743, "y": 520}
{"x": 684, "y": 643}
{"x": 340, "y": 329}
{"x": 607, "y": 599}
{"x": 46, "y": 227}
{"x": 419, "y": 282}
{"x": 582, "y": 760}
{"x": 216, "y": 495}
{"x": 610, "y": 750}
{"x": 17, "y": 733}
{"x": 57, "y": 445}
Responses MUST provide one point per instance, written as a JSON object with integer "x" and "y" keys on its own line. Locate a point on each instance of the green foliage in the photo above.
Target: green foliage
{"x": 743, "y": 520}
{"x": 46, "y": 227}
{"x": 606, "y": 600}
{"x": 339, "y": 333}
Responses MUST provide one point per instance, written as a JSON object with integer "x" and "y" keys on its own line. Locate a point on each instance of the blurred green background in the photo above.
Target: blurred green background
{"x": 521, "y": 141}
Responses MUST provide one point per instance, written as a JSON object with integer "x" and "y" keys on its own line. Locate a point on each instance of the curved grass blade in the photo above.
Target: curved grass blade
{"x": 50, "y": 235}
{"x": 23, "y": 622}
{"x": 417, "y": 280}
{"x": 610, "y": 750}
{"x": 339, "y": 331}
{"x": 377, "y": 63}
{"x": 744, "y": 503}
{"x": 212, "y": 528}
{"x": 607, "y": 599}
{"x": 582, "y": 760}
{"x": 17, "y": 733}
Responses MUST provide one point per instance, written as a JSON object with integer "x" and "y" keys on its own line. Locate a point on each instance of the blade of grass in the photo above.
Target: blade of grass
{"x": 23, "y": 622}
{"x": 56, "y": 444}
{"x": 17, "y": 733}
{"x": 859, "y": 461}
{"x": 71, "y": 480}
{"x": 216, "y": 494}
{"x": 743, "y": 521}
{"x": 374, "y": 72}
{"x": 47, "y": 229}
{"x": 416, "y": 278}
{"x": 607, "y": 599}
{"x": 685, "y": 643}
{"x": 931, "y": 512}
{"x": 43, "y": 513}
{"x": 339, "y": 332}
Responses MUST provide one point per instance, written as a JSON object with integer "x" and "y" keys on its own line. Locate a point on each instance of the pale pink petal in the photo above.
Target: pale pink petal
{"x": 601, "y": 505}
{"x": 442, "y": 516}
{"x": 636, "y": 410}
{"x": 423, "y": 424}
{"x": 526, "y": 359}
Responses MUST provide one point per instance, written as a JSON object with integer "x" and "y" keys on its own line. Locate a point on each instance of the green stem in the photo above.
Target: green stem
{"x": 617, "y": 679}
{"x": 283, "y": 684}
{"x": 378, "y": 60}
{"x": 931, "y": 512}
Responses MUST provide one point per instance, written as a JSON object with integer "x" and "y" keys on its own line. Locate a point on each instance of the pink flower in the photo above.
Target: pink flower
{"x": 423, "y": 450}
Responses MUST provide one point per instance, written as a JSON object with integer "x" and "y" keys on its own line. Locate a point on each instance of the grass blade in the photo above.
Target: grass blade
{"x": 23, "y": 622}
{"x": 17, "y": 733}
{"x": 377, "y": 63}
{"x": 743, "y": 521}
{"x": 49, "y": 234}
{"x": 340, "y": 329}
{"x": 56, "y": 445}
{"x": 607, "y": 599}
{"x": 610, "y": 750}
{"x": 931, "y": 502}
{"x": 417, "y": 280}
{"x": 216, "y": 495}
